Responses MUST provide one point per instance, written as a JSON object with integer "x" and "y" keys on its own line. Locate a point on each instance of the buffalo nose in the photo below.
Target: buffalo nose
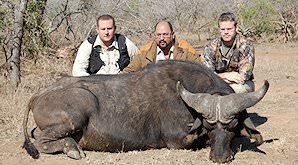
{"x": 221, "y": 159}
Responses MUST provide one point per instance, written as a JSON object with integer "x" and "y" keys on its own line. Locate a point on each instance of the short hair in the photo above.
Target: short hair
{"x": 228, "y": 16}
{"x": 164, "y": 20}
{"x": 106, "y": 17}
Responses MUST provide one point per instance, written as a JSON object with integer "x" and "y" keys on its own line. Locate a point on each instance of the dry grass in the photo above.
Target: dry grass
{"x": 277, "y": 63}
{"x": 34, "y": 76}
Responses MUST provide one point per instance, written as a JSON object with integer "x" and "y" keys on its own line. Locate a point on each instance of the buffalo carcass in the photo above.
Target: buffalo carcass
{"x": 141, "y": 110}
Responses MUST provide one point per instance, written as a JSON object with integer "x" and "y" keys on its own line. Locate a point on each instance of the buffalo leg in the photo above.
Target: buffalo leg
{"x": 51, "y": 144}
{"x": 61, "y": 118}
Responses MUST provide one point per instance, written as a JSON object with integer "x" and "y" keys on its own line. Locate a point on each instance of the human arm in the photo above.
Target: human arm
{"x": 209, "y": 61}
{"x": 245, "y": 65}
{"x": 82, "y": 60}
{"x": 246, "y": 60}
{"x": 131, "y": 48}
{"x": 192, "y": 55}
{"x": 145, "y": 55}
{"x": 184, "y": 51}
{"x": 208, "y": 57}
{"x": 232, "y": 77}
{"x": 135, "y": 63}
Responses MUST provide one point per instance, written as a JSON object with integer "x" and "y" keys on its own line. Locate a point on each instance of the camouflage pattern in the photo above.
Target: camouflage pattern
{"x": 240, "y": 58}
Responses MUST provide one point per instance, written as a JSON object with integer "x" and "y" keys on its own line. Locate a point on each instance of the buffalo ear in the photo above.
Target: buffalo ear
{"x": 249, "y": 124}
{"x": 249, "y": 130}
{"x": 195, "y": 125}
{"x": 232, "y": 125}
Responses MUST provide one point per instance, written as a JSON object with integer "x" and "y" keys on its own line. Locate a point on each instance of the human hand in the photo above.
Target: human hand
{"x": 232, "y": 77}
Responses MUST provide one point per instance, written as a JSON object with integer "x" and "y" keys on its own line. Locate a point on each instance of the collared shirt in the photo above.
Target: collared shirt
{"x": 147, "y": 54}
{"x": 240, "y": 57}
{"x": 161, "y": 56}
{"x": 108, "y": 55}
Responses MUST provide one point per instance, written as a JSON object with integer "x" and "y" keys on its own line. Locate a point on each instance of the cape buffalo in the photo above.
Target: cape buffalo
{"x": 171, "y": 104}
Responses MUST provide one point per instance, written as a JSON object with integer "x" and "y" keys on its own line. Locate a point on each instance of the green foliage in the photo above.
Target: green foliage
{"x": 33, "y": 28}
{"x": 5, "y": 18}
{"x": 248, "y": 14}
{"x": 34, "y": 14}
{"x": 5, "y": 26}
{"x": 258, "y": 17}
{"x": 2, "y": 18}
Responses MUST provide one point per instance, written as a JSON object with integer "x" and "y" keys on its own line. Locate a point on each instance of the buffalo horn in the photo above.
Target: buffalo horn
{"x": 223, "y": 108}
{"x": 201, "y": 102}
{"x": 235, "y": 103}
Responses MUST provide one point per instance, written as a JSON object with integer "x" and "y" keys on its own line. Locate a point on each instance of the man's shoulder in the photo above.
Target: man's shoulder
{"x": 120, "y": 36}
{"x": 91, "y": 39}
{"x": 215, "y": 42}
{"x": 243, "y": 39}
{"x": 186, "y": 45}
{"x": 147, "y": 46}
{"x": 244, "y": 42}
{"x": 182, "y": 42}
{"x": 127, "y": 41}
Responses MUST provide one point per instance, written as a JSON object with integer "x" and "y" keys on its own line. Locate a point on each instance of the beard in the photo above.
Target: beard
{"x": 162, "y": 44}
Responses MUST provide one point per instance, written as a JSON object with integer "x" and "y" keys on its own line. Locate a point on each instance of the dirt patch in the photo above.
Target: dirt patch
{"x": 276, "y": 116}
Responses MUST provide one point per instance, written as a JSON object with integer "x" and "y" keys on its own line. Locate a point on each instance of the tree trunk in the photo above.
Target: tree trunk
{"x": 16, "y": 44}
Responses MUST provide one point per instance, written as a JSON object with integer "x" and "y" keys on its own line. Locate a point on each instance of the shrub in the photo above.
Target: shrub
{"x": 258, "y": 16}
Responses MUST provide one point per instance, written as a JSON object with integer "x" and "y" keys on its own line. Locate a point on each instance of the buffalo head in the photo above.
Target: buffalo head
{"x": 221, "y": 117}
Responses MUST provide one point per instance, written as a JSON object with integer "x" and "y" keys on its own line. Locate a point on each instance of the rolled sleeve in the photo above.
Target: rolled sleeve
{"x": 82, "y": 60}
{"x": 208, "y": 57}
{"x": 247, "y": 61}
{"x": 131, "y": 48}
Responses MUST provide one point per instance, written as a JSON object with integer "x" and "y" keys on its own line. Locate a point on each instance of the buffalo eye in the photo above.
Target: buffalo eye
{"x": 208, "y": 126}
{"x": 230, "y": 126}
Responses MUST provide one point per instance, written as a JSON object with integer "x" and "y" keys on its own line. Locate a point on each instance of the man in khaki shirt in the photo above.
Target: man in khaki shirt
{"x": 103, "y": 56}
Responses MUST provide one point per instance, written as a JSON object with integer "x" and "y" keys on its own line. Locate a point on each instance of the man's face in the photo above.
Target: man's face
{"x": 163, "y": 35}
{"x": 227, "y": 30}
{"x": 106, "y": 30}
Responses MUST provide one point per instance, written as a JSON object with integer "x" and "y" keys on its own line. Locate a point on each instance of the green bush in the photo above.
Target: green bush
{"x": 5, "y": 26}
{"x": 2, "y": 19}
{"x": 33, "y": 28}
{"x": 259, "y": 16}
{"x": 5, "y": 19}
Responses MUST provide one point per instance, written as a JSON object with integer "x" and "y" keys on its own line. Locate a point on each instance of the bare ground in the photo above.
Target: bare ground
{"x": 276, "y": 116}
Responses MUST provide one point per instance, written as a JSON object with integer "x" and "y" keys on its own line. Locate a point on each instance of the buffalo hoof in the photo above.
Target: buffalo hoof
{"x": 74, "y": 155}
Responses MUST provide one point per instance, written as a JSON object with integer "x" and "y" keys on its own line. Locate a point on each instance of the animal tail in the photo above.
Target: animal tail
{"x": 28, "y": 145}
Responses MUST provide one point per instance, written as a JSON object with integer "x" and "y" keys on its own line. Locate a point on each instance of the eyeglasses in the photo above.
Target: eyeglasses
{"x": 165, "y": 35}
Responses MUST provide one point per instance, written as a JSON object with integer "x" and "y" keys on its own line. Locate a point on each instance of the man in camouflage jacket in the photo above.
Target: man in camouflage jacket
{"x": 231, "y": 56}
